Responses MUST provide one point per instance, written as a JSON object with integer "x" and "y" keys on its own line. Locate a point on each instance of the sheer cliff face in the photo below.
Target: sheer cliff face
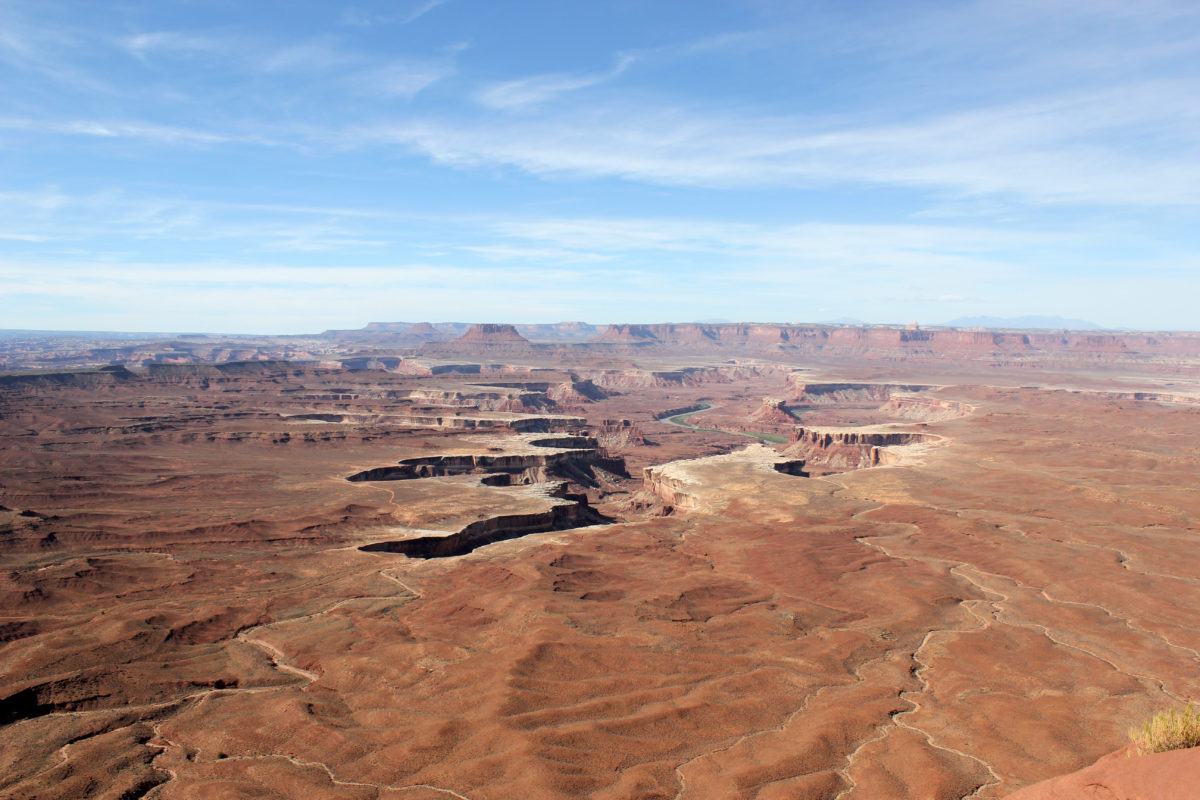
{"x": 579, "y": 342}
{"x": 492, "y": 334}
{"x": 489, "y": 340}
{"x": 897, "y": 343}
{"x": 629, "y": 334}
{"x": 846, "y": 450}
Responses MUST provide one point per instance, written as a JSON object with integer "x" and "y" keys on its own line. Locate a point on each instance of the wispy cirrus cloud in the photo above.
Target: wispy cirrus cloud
{"x": 324, "y": 61}
{"x": 771, "y": 151}
{"x": 176, "y": 43}
{"x": 1081, "y": 147}
{"x": 835, "y": 246}
{"x": 143, "y": 131}
{"x": 528, "y": 92}
{"x": 59, "y": 220}
{"x": 534, "y": 90}
{"x": 420, "y": 10}
{"x": 358, "y": 18}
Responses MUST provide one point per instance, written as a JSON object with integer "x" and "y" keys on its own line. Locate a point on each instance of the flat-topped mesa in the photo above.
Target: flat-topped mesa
{"x": 819, "y": 394}
{"x": 513, "y": 401}
{"x": 621, "y": 380}
{"x": 238, "y": 371}
{"x": 489, "y": 333}
{"x": 487, "y": 340}
{"x": 670, "y": 487}
{"x": 697, "y": 483}
{"x": 926, "y": 409}
{"x": 628, "y": 334}
{"x": 32, "y": 382}
{"x": 559, "y": 332}
{"x": 826, "y": 451}
{"x": 424, "y": 329}
{"x": 890, "y": 343}
{"x": 531, "y": 459}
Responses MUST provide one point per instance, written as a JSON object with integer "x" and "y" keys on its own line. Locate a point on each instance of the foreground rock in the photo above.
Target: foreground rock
{"x": 1173, "y": 775}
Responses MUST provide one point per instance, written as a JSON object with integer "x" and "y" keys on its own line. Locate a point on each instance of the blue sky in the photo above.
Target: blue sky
{"x": 287, "y": 167}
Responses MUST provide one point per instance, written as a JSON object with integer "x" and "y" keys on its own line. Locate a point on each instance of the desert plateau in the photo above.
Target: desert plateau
{"x": 607, "y": 400}
{"x": 682, "y": 562}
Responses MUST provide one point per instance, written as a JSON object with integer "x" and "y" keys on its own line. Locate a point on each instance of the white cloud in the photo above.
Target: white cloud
{"x": 172, "y": 42}
{"x": 538, "y": 89}
{"x": 400, "y": 78}
{"x": 1130, "y": 144}
{"x": 323, "y": 61}
{"x": 421, "y": 9}
{"x": 362, "y": 19}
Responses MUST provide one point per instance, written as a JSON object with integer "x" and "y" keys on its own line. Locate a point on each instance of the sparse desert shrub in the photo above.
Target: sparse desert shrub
{"x": 1173, "y": 729}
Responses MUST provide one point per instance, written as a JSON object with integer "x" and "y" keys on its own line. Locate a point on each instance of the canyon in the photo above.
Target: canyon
{"x": 430, "y": 561}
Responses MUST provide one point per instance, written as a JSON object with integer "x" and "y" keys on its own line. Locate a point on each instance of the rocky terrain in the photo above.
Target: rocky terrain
{"x": 391, "y": 344}
{"x": 666, "y": 562}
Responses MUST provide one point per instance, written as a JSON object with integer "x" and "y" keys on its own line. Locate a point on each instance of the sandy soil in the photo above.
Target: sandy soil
{"x": 185, "y": 611}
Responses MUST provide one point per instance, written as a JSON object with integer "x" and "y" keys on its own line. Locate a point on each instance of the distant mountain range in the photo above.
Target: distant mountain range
{"x": 1053, "y": 323}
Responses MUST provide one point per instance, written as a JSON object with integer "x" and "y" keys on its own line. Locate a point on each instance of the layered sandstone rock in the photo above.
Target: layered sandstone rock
{"x": 484, "y": 340}
{"x": 559, "y": 332}
{"x": 490, "y": 334}
{"x": 615, "y": 435}
{"x": 772, "y": 415}
{"x": 628, "y": 334}
{"x": 575, "y": 393}
{"x": 840, "y": 450}
{"x": 926, "y": 409}
{"x": 821, "y": 394}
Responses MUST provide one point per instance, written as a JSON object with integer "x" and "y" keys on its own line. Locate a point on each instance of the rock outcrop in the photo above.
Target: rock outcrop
{"x": 485, "y": 340}
{"x": 822, "y": 394}
{"x": 1173, "y": 775}
{"x": 926, "y": 409}
{"x": 574, "y": 394}
{"x": 616, "y": 380}
{"x": 772, "y": 415}
{"x": 614, "y": 435}
{"x": 31, "y": 382}
{"x": 572, "y": 511}
{"x": 559, "y": 332}
{"x": 687, "y": 484}
{"x": 491, "y": 334}
{"x": 628, "y": 334}
{"x": 523, "y": 458}
{"x": 848, "y": 449}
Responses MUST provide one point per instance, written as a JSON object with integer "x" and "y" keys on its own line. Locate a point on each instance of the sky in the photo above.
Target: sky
{"x": 290, "y": 167}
